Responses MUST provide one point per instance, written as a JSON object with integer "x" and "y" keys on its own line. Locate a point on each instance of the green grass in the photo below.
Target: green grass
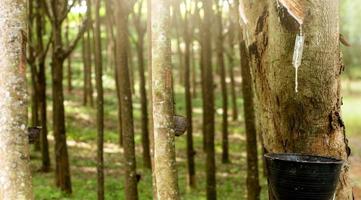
{"x": 81, "y": 134}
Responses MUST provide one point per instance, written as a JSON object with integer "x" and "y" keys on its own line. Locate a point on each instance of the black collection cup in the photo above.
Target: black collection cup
{"x": 303, "y": 177}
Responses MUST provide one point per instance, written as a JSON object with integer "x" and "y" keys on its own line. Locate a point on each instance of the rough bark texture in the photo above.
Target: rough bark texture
{"x": 163, "y": 111}
{"x": 208, "y": 101}
{"x": 99, "y": 102}
{"x": 15, "y": 177}
{"x": 188, "y": 100}
{"x": 308, "y": 121}
{"x": 131, "y": 192}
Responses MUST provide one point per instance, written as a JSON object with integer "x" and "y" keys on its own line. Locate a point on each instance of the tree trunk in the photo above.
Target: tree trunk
{"x": 15, "y": 176}
{"x": 308, "y": 121}
{"x": 163, "y": 111}
{"x": 231, "y": 58}
{"x": 143, "y": 100}
{"x": 150, "y": 94}
{"x": 40, "y": 29}
{"x": 33, "y": 71}
{"x": 61, "y": 150}
{"x": 100, "y": 101}
{"x": 220, "y": 59}
{"x": 188, "y": 101}
{"x": 131, "y": 191}
{"x": 208, "y": 101}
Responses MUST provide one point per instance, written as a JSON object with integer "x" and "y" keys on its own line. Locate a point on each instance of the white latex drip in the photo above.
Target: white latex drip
{"x": 297, "y": 55}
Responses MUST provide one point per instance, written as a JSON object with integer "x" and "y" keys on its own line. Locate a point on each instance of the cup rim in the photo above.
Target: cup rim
{"x": 286, "y": 157}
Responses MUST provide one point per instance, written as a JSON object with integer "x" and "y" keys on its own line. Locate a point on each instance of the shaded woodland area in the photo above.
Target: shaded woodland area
{"x": 174, "y": 99}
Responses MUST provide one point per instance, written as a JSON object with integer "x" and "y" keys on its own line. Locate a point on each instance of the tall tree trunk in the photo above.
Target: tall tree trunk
{"x": 253, "y": 187}
{"x": 222, "y": 68}
{"x": 143, "y": 100}
{"x": 33, "y": 71}
{"x": 61, "y": 150}
{"x": 308, "y": 121}
{"x": 110, "y": 21}
{"x": 40, "y": 29}
{"x": 208, "y": 101}
{"x": 131, "y": 191}
{"x": 188, "y": 100}
{"x": 150, "y": 94}
{"x": 88, "y": 53}
{"x": 231, "y": 58}
{"x": 163, "y": 111}
{"x": 100, "y": 101}
{"x": 15, "y": 174}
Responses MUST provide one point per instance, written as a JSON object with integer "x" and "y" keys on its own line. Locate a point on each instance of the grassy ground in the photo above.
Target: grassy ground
{"x": 81, "y": 131}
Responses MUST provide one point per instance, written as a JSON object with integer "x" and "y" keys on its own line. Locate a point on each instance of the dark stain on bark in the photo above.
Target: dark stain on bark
{"x": 261, "y": 22}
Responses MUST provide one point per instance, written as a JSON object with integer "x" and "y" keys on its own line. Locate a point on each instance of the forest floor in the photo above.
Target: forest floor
{"x": 231, "y": 184}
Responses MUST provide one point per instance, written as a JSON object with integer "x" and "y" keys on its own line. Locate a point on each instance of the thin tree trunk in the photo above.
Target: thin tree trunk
{"x": 208, "y": 101}
{"x": 188, "y": 100}
{"x": 163, "y": 111}
{"x": 150, "y": 94}
{"x": 220, "y": 59}
{"x": 131, "y": 191}
{"x": 40, "y": 29}
{"x": 143, "y": 100}
{"x": 231, "y": 58}
{"x": 100, "y": 101}
{"x": 34, "y": 71}
{"x": 15, "y": 173}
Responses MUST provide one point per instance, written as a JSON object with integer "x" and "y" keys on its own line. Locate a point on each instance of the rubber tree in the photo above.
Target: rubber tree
{"x": 308, "y": 121}
{"x": 57, "y": 12}
{"x": 163, "y": 111}
{"x": 99, "y": 100}
{"x": 208, "y": 101}
{"x": 125, "y": 94}
{"x": 15, "y": 176}
{"x": 141, "y": 29}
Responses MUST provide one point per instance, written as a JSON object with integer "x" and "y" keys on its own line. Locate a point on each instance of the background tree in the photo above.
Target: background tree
{"x": 124, "y": 8}
{"x": 100, "y": 100}
{"x": 57, "y": 12}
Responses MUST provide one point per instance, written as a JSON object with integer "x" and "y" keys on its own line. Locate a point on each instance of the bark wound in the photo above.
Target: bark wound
{"x": 336, "y": 123}
{"x": 291, "y": 14}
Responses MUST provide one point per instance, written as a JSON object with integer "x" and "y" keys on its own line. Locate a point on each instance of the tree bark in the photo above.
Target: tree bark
{"x": 163, "y": 111}
{"x": 222, "y": 68}
{"x": 40, "y": 29}
{"x": 15, "y": 176}
{"x": 208, "y": 101}
{"x": 100, "y": 101}
{"x": 308, "y": 121}
{"x": 150, "y": 93}
{"x": 188, "y": 100}
{"x": 141, "y": 29}
{"x": 131, "y": 191}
